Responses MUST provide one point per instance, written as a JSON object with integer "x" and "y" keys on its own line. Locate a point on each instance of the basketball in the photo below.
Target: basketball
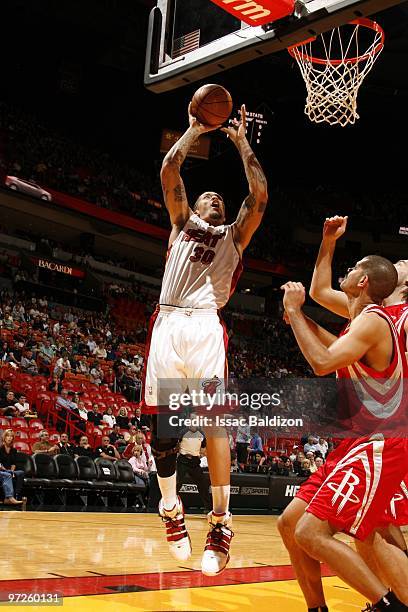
{"x": 211, "y": 105}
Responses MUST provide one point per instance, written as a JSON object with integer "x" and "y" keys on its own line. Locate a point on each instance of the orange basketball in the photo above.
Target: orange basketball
{"x": 211, "y": 105}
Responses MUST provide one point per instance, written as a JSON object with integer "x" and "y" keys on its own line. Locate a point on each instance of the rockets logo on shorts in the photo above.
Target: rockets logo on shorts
{"x": 345, "y": 489}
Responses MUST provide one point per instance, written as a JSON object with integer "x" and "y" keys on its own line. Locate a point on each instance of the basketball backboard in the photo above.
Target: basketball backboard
{"x": 190, "y": 40}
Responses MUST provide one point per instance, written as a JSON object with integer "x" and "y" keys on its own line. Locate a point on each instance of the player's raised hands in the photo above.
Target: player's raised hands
{"x": 334, "y": 227}
{"x": 294, "y": 296}
{"x": 200, "y": 127}
{"x": 237, "y": 130}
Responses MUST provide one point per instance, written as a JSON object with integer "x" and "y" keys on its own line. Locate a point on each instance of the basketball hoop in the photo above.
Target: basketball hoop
{"x": 333, "y": 67}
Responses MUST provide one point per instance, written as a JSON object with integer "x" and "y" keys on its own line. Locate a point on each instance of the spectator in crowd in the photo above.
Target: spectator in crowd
{"x": 63, "y": 407}
{"x": 22, "y": 406}
{"x": 257, "y": 458}
{"x": 305, "y": 469}
{"x": 81, "y": 367}
{"x": 234, "y": 462}
{"x": 6, "y": 481}
{"x": 311, "y": 444}
{"x": 140, "y": 439}
{"x": 46, "y": 353}
{"x": 8, "y": 460}
{"x": 255, "y": 445}
{"x": 28, "y": 364}
{"x": 107, "y": 450}
{"x": 115, "y": 435}
{"x": 318, "y": 462}
{"x": 7, "y": 406}
{"x": 122, "y": 418}
{"x": 65, "y": 448}
{"x": 62, "y": 366}
{"x": 94, "y": 416}
{"x": 100, "y": 351}
{"x": 96, "y": 374}
{"x": 82, "y": 411}
{"x": 44, "y": 445}
{"x": 139, "y": 465}
{"x": 55, "y": 385}
{"x": 140, "y": 420}
{"x": 84, "y": 449}
{"x": 109, "y": 378}
{"x": 322, "y": 446}
{"x": 109, "y": 418}
{"x": 311, "y": 457}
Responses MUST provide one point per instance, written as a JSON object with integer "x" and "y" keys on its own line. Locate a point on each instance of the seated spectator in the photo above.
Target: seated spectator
{"x": 4, "y": 389}
{"x": 310, "y": 455}
{"x": 46, "y": 353}
{"x": 311, "y": 445}
{"x": 8, "y": 322}
{"x": 122, "y": 418}
{"x": 62, "y": 366}
{"x": 305, "y": 469}
{"x": 322, "y": 446}
{"x": 44, "y": 446}
{"x": 140, "y": 420}
{"x": 100, "y": 351}
{"x": 63, "y": 407}
{"x": 234, "y": 462}
{"x": 81, "y": 367}
{"x": 115, "y": 435}
{"x": 56, "y": 384}
{"x": 107, "y": 450}
{"x": 319, "y": 462}
{"x": 7, "y": 406}
{"x": 108, "y": 417}
{"x": 65, "y": 448}
{"x": 94, "y": 415}
{"x": 255, "y": 445}
{"x": 83, "y": 412}
{"x": 22, "y": 406}
{"x": 96, "y": 374}
{"x": 84, "y": 449}
{"x": 8, "y": 459}
{"x": 6, "y": 481}
{"x": 28, "y": 364}
{"x": 139, "y": 465}
{"x": 140, "y": 440}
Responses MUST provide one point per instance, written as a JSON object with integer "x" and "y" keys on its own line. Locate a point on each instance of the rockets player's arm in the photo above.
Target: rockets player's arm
{"x": 174, "y": 193}
{"x": 252, "y": 210}
{"x": 321, "y": 289}
{"x": 326, "y": 337}
{"x": 365, "y": 332}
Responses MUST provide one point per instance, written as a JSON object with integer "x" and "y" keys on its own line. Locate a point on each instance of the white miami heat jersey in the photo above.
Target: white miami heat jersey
{"x": 202, "y": 268}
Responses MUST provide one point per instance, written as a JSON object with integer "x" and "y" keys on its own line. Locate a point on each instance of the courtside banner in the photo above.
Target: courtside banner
{"x": 257, "y": 12}
{"x": 282, "y": 407}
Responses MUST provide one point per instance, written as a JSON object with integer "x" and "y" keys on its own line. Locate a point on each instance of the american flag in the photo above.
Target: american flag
{"x": 185, "y": 44}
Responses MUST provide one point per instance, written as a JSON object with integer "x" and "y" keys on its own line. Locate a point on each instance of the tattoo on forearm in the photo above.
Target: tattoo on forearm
{"x": 179, "y": 193}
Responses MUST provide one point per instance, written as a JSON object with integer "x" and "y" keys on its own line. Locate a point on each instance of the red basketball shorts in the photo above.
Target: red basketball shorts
{"x": 355, "y": 494}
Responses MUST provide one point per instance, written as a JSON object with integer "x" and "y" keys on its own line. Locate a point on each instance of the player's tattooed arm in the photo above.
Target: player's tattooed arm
{"x": 174, "y": 192}
{"x": 254, "y": 205}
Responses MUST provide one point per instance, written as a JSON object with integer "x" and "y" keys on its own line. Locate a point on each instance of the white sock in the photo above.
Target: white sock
{"x": 168, "y": 488}
{"x": 220, "y": 497}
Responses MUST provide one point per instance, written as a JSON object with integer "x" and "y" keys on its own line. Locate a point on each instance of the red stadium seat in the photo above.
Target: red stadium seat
{"x": 21, "y": 435}
{"x": 4, "y": 422}
{"x": 19, "y": 423}
{"x": 22, "y": 446}
{"x": 35, "y": 425}
{"x": 35, "y": 435}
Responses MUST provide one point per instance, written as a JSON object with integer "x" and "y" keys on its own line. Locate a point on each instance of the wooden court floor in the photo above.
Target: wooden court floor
{"x": 119, "y": 562}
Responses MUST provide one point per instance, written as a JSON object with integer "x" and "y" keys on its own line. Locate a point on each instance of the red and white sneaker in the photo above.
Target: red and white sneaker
{"x": 216, "y": 551}
{"x": 176, "y": 533}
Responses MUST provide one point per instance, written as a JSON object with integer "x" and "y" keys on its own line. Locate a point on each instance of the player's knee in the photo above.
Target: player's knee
{"x": 304, "y": 536}
{"x": 286, "y": 527}
{"x": 165, "y": 455}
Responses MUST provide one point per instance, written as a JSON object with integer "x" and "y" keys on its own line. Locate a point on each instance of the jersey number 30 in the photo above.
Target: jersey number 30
{"x": 206, "y": 256}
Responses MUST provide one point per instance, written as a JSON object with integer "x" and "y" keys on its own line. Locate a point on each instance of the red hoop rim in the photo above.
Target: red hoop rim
{"x": 294, "y": 50}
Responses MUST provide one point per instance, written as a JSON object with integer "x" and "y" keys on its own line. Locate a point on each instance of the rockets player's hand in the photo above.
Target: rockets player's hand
{"x": 294, "y": 297}
{"x": 334, "y": 227}
{"x": 237, "y": 131}
{"x": 200, "y": 128}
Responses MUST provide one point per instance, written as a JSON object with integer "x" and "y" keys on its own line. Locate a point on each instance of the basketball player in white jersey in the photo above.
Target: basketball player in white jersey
{"x": 187, "y": 341}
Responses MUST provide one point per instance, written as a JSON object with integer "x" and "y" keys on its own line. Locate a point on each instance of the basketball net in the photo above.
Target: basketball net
{"x": 333, "y": 66}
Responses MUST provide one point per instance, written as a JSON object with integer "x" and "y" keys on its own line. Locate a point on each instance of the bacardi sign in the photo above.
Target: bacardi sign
{"x": 56, "y": 266}
{"x": 258, "y": 12}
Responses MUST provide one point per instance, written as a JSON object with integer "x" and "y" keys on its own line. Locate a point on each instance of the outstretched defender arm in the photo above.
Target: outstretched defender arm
{"x": 321, "y": 290}
{"x": 174, "y": 193}
{"x": 364, "y": 333}
{"x": 253, "y": 207}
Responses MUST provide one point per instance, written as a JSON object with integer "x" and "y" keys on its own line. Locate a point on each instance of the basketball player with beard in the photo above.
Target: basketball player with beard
{"x": 187, "y": 341}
